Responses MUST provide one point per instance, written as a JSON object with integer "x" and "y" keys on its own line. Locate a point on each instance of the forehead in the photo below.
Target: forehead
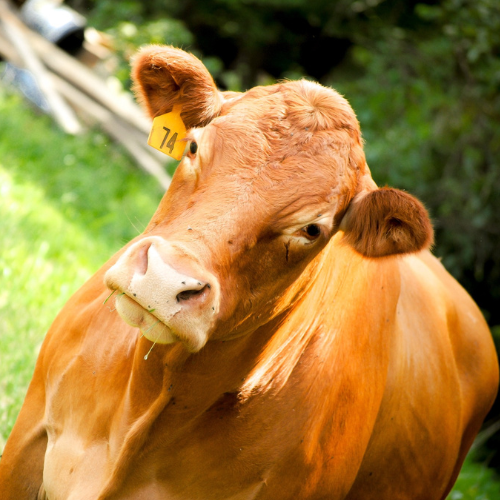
{"x": 283, "y": 140}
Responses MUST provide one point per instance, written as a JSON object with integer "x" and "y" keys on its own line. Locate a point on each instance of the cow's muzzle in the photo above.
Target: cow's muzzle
{"x": 165, "y": 292}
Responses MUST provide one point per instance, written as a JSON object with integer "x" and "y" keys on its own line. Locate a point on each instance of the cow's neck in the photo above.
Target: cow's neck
{"x": 175, "y": 377}
{"x": 264, "y": 359}
{"x": 172, "y": 388}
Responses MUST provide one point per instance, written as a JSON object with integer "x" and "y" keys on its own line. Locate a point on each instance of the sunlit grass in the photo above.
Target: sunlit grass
{"x": 66, "y": 205}
{"x": 41, "y": 264}
{"x": 476, "y": 482}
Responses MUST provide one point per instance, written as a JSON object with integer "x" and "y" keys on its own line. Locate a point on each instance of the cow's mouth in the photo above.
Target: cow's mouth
{"x": 176, "y": 328}
{"x": 151, "y": 326}
{"x": 167, "y": 305}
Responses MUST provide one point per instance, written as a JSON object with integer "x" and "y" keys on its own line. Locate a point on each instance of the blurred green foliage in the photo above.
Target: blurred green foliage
{"x": 475, "y": 482}
{"x": 66, "y": 205}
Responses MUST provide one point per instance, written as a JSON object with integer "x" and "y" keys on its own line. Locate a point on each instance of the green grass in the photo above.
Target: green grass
{"x": 66, "y": 205}
{"x": 476, "y": 482}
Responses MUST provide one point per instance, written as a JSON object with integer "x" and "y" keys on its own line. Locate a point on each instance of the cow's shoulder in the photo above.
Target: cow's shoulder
{"x": 468, "y": 332}
{"x": 448, "y": 335}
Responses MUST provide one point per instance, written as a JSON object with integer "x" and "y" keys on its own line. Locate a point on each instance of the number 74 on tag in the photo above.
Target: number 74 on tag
{"x": 168, "y": 132}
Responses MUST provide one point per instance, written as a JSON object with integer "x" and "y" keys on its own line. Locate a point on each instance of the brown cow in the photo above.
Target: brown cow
{"x": 308, "y": 345}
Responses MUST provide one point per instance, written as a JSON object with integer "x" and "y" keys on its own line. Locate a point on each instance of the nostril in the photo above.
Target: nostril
{"x": 141, "y": 260}
{"x": 190, "y": 294}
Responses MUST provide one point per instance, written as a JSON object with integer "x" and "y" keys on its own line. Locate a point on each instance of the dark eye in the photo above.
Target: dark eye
{"x": 193, "y": 147}
{"x": 311, "y": 232}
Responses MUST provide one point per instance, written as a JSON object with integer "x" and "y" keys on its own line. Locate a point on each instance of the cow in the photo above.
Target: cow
{"x": 279, "y": 331}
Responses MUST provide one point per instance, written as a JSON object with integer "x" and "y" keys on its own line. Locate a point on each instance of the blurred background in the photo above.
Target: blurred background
{"x": 423, "y": 78}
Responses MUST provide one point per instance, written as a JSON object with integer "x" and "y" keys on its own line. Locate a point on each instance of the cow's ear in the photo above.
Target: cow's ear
{"x": 386, "y": 222}
{"x": 164, "y": 76}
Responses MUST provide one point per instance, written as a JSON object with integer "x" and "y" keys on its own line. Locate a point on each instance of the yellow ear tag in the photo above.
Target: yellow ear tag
{"x": 167, "y": 133}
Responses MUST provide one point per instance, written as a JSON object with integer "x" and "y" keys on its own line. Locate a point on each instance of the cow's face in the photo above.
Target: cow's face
{"x": 268, "y": 178}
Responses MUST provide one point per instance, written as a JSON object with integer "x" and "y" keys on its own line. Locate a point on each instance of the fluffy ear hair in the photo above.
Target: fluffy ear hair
{"x": 164, "y": 76}
{"x": 386, "y": 222}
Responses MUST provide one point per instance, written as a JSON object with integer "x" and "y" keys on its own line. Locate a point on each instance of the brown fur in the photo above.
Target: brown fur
{"x": 387, "y": 222}
{"x": 165, "y": 76}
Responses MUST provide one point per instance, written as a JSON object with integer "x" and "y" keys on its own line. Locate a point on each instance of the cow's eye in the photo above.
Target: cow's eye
{"x": 193, "y": 148}
{"x": 311, "y": 232}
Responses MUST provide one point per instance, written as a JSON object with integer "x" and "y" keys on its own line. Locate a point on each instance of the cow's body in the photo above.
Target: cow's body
{"x": 358, "y": 377}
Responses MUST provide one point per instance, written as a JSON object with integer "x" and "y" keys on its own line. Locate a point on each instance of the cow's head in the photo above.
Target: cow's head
{"x": 270, "y": 175}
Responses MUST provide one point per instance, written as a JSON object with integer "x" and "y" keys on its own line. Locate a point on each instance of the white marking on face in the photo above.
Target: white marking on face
{"x": 162, "y": 301}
